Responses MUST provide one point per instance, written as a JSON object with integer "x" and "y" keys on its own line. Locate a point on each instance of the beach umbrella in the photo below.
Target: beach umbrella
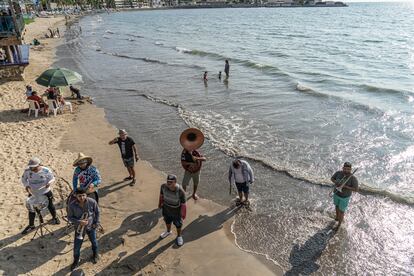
{"x": 58, "y": 77}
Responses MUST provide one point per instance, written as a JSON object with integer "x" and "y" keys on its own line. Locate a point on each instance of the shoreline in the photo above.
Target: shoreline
{"x": 208, "y": 223}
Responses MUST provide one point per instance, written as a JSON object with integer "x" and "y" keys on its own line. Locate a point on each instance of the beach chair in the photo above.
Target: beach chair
{"x": 53, "y": 105}
{"x": 33, "y": 105}
{"x": 67, "y": 104}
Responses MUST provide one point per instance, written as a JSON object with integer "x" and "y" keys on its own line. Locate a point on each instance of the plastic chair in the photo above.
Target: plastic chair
{"x": 68, "y": 104}
{"x": 33, "y": 105}
{"x": 53, "y": 105}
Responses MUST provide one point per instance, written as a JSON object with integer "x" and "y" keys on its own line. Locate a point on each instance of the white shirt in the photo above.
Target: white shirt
{"x": 238, "y": 175}
{"x": 38, "y": 180}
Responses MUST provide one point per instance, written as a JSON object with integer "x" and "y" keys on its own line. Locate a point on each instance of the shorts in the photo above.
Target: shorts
{"x": 128, "y": 162}
{"x": 242, "y": 187}
{"x": 178, "y": 222}
{"x": 188, "y": 176}
{"x": 341, "y": 202}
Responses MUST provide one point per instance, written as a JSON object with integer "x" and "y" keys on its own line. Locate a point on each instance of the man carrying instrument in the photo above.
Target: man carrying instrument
{"x": 37, "y": 180}
{"x": 341, "y": 197}
{"x": 173, "y": 203}
{"x": 84, "y": 214}
{"x": 191, "y": 161}
{"x": 87, "y": 175}
{"x": 128, "y": 152}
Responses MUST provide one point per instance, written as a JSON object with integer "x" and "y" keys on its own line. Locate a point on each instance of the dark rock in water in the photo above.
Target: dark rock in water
{"x": 10, "y": 257}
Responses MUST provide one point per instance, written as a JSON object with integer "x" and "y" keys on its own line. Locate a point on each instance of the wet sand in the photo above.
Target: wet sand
{"x": 132, "y": 222}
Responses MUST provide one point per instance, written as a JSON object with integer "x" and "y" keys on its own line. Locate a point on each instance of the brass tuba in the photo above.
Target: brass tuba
{"x": 191, "y": 139}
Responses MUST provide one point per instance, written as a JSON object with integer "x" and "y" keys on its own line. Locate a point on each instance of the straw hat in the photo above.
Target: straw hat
{"x": 82, "y": 157}
{"x": 191, "y": 139}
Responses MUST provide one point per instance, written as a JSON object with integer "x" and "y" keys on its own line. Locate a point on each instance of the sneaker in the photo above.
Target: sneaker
{"x": 56, "y": 221}
{"x": 180, "y": 241}
{"x": 28, "y": 229}
{"x": 95, "y": 258}
{"x": 127, "y": 178}
{"x": 165, "y": 234}
{"x": 195, "y": 196}
{"x": 74, "y": 265}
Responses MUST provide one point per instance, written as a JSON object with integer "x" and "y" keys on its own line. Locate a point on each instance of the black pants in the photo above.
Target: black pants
{"x": 50, "y": 206}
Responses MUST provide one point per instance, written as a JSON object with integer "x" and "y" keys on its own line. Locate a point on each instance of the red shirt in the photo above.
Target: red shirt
{"x": 35, "y": 98}
{"x": 187, "y": 157}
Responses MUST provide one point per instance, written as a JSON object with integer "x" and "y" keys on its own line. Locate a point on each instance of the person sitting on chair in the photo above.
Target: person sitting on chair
{"x": 87, "y": 176}
{"x": 84, "y": 214}
{"x": 39, "y": 101}
{"x": 29, "y": 90}
{"x": 75, "y": 91}
{"x": 51, "y": 93}
{"x": 37, "y": 180}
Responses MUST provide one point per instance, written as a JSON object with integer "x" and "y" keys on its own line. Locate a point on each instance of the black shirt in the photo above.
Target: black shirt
{"x": 125, "y": 146}
{"x": 352, "y": 182}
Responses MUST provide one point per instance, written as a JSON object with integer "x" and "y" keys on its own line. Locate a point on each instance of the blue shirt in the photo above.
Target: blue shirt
{"x": 85, "y": 177}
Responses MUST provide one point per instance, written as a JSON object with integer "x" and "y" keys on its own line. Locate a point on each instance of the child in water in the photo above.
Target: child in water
{"x": 205, "y": 76}
{"x": 219, "y": 75}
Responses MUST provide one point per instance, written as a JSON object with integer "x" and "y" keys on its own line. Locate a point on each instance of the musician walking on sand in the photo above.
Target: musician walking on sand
{"x": 86, "y": 176}
{"x": 173, "y": 204}
{"x": 37, "y": 180}
{"x": 241, "y": 174}
{"x": 342, "y": 196}
{"x": 84, "y": 214}
{"x": 191, "y": 160}
{"x": 128, "y": 152}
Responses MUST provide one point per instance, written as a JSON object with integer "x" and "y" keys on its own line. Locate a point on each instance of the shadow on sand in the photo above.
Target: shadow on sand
{"x": 205, "y": 225}
{"x": 139, "y": 223}
{"x": 303, "y": 258}
{"x": 28, "y": 256}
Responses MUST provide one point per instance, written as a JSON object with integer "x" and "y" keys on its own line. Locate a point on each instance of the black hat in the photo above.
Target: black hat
{"x": 347, "y": 165}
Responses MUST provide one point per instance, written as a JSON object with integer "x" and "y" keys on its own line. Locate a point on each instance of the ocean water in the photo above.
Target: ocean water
{"x": 309, "y": 88}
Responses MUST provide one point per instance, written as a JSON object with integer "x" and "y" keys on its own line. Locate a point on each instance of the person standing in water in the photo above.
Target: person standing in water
{"x": 205, "y": 78}
{"x": 241, "y": 174}
{"x": 342, "y": 196}
{"x": 227, "y": 68}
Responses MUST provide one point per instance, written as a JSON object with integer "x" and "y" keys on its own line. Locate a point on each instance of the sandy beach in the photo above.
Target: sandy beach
{"x": 129, "y": 214}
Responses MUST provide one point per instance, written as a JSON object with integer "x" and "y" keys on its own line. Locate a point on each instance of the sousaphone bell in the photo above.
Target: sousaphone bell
{"x": 191, "y": 139}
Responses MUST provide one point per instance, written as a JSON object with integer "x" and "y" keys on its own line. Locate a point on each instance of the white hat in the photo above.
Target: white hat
{"x": 34, "y": 162}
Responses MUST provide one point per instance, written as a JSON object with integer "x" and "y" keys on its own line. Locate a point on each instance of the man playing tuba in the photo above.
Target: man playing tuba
{"x": 191, "y": 159}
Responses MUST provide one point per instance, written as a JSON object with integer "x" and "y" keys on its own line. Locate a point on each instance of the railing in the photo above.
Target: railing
{"x": 21, "y": 60}
{"x": 7, "y": 26}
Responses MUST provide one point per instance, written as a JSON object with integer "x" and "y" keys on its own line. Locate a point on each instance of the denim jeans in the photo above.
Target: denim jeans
{"x": 78, "y": 243}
